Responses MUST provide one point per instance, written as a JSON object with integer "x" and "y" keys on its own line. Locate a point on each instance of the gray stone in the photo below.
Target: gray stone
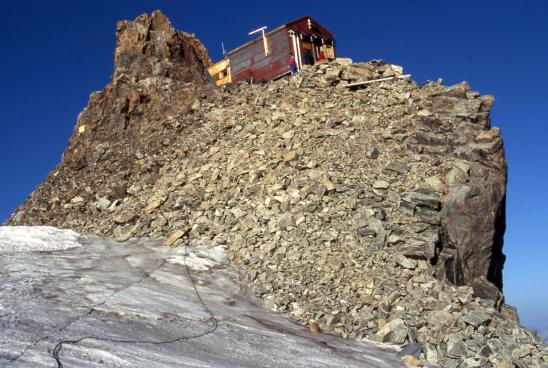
{"x": 521, "y": 351}
{"x": 456, "y": 177}
{"x": 102, "y": 203}
{"x": 406, "y": 262}
{"x": 374, "y": 153}
{"x": 415, "y": 248}
{"x": 397, "y": 167}
{"x": 413, "y": 349}
{"x": 364, "y": 231}
{"x": 394, "y": 331}
{"x": 455, "y": 346}
{"x": 381, "y": 184}
{"x": 124, "y": 233}
{"x": 430, "y": 200}
{"x": 343, "y": 61}
{"x": 285, "y": 221}
{"x": 476, "y": 318}
{"x": 428, "y": 215}
{"x": 430, "y": 139}
{"x": 332, "y": 75}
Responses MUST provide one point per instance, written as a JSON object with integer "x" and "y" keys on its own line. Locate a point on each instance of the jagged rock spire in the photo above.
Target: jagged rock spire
{"x": 150, "y": 46}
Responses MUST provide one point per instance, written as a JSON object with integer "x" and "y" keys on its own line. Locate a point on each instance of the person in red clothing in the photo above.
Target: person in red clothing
{"x": 292, "y": 64}
{"x": 322, "y": 56}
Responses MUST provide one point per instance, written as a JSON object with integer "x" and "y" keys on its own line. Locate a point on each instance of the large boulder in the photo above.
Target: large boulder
{"x": 473, "y": 222}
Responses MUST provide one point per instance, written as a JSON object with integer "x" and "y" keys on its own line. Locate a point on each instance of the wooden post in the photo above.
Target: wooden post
{"x": 265, "y": 41}
{"x": 299, "y": 57}
{"x": 376, "y": 80}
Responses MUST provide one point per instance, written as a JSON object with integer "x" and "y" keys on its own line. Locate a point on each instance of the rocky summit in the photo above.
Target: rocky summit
{"x": 371, "y": 212}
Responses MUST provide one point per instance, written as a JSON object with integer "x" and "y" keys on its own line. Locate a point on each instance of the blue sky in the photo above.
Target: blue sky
{"x": 56, "y": 53}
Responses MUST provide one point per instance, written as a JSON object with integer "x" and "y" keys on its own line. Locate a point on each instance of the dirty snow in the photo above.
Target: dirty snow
{"x": 34, "y": 238}
{"x": 57, "y": 285}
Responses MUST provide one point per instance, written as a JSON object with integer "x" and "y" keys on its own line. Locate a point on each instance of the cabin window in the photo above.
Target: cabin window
{"x": 329, "y": 51}
{"x": 220, "y": 72}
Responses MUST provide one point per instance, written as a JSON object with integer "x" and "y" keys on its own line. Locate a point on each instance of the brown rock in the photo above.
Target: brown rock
{"x": 314, "y": 327}
{"x": 329, "y": 185}
{"x": 173, "y": 237}
{"x": 124, "y": 217}
{"x": 412, "y": 361}
{"x": 290, "y": 156}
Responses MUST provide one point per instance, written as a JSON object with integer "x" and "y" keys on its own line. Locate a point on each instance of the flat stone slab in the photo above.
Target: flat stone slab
{"x": 56, "y": 285}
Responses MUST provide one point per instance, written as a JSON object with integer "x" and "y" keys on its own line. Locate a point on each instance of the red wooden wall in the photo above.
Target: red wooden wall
{"x": 250, "y": 62}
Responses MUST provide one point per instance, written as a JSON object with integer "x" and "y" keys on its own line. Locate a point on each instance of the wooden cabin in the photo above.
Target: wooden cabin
{"x": 267, "y": 57}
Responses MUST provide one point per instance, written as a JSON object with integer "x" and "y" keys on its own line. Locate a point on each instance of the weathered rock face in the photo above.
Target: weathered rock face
{"x": 473, "y": 225}
{"x": 150, "y": 46}
{"x": 377, "y": 212}
{"x": 155, "y": 67}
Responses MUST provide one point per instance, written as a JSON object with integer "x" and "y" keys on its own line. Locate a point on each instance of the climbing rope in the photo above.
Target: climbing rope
{"x": 57, "y": 349}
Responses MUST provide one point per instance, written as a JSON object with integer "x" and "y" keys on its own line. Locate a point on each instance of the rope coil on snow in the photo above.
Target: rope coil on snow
{"x": 57, "y": 349}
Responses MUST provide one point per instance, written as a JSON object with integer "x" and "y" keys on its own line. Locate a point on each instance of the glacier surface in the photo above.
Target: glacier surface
{"x": 56, "y": 285}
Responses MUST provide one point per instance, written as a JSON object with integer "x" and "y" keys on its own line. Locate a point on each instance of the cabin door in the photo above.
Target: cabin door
{"x": 308, "y": 53}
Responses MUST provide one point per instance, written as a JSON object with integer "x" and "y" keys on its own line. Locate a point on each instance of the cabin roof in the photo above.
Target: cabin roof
{"x": 286, "y": 25}
{"x": 298, "y": 20}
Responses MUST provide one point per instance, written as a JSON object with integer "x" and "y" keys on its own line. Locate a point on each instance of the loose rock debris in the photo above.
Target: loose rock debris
{"x": 377, "y": 212}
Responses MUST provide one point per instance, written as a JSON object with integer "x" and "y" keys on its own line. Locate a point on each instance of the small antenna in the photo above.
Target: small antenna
{"x": 265, "y": 42}
{"x": 223, "y": 46}
{"x": 258, "y": 30}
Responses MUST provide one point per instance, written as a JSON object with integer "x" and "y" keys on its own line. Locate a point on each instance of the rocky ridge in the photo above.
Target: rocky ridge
{"x": 372, "y": 212}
